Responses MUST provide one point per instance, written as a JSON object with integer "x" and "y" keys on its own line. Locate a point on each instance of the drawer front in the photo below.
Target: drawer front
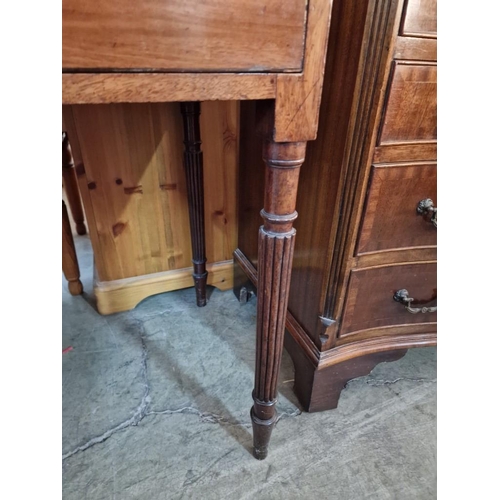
{"x": 420, "y": 18}
{"x": 370, "y": 304}
{"x": 184, "y": 35}
{"x": 411, "y": 111}
{"x": 391, "y": 220}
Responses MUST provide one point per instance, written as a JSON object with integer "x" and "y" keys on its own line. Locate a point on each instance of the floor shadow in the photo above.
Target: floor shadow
{"x": 200, "y": 398}
{"x": 90, "y": 299}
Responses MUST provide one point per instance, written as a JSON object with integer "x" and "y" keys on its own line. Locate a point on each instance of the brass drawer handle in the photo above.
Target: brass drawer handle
{"x": 426, "y": 207}
{"x": 402, "y": 296}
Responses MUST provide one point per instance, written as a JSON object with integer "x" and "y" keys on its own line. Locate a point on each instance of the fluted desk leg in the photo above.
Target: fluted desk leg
{"x": 193, "y": 163}
{"x": 276, "y": 242}
{"x": 71, "y": 186}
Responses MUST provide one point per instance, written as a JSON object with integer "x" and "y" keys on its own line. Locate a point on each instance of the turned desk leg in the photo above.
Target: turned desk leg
{"x": 69, "y": 260}
{"x": 193, "y": 164}
{"x": 71, "y": 186}
{"x": 276, "y": 242}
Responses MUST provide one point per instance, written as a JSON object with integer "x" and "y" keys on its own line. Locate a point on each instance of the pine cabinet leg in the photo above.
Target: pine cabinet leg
{"x": 193, "y": 164}
{"x": 276, "y": 242}
{"x": 71, "y": 186}
{"x": 69, "y": 260}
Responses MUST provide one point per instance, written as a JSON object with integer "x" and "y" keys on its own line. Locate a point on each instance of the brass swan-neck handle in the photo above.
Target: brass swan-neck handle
{"x": 403, "y": 297}
{"x": 426, "y": 207}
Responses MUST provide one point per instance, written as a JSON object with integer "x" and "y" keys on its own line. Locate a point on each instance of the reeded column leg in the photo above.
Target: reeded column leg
{"x": 69, "y": 260}
{"x": 71, "y": 186}
{"x": 276, "y": 242}
{"x": 193, "y": 163}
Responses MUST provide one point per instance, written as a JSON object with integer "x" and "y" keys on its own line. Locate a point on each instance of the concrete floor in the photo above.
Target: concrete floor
{"x": 156, "y": 406}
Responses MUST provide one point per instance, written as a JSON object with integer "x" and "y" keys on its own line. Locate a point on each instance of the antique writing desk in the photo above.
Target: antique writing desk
{"x": 117, "y": 51}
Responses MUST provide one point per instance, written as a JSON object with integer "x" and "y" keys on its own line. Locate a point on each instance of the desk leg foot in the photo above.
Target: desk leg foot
{"x": 193, "y": 164}
{"x": 263, "y": 417}
{"x": 69, "y": 260}
{"x": 276, "y": 242}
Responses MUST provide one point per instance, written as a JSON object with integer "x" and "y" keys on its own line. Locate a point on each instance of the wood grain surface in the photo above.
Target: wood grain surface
{"x": 390, "y": 220}
{"x": 417, "y": 49}
{"x": 124, "y": 294}
{"x": 101, "y": 88}
{"x": 422, "y": 151}
{"x": 298, "y": 97}
{"x": 420, "y": 18}
{"x": 370, "y": 304}
{"x": 411, "y": 110}
{"x": 184, "y": 35}
{"x": 133, "y": 185}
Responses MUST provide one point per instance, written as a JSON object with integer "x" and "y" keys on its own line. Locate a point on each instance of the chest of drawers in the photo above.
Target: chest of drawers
{"x": 366, "y": 232}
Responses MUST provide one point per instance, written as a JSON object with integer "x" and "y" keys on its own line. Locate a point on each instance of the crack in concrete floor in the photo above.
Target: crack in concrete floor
{"x": 379, "y": 443}
{"x": 376, "y": 382}
{"x": 142, "y": 411}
